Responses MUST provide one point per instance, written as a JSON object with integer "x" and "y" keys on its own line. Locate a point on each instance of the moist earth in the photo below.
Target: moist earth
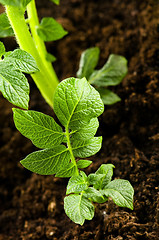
{"x": 31, "y": 206}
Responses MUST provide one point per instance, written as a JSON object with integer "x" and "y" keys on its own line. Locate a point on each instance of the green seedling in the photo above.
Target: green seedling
{"x": 64, "y": 149}
{"x": 111, "y": 74}
{"x": 31, "y": 35}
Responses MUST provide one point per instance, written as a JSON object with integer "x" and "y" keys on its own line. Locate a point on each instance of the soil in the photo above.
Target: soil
{"x": 31, "y": 206}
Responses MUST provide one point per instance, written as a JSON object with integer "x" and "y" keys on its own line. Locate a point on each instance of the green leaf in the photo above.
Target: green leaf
{"x": 93, "y": 178}
{"x": 78, "y": 208}
{"x": 7, "y": 54}
{"x": 86, "y": 148}
{"x": 50, "y": 30}
{"x": 2, "y": 49}
{"x": 87, "y": 131}
{"x": 57, "y": 2}
{"x": 107, "y": 171}
{"x": 121, "y": 192}
{"x": 14, "y": 85}
{"x": 112, "y": 73}
{"x": 48, "y": 161}
{"x": 68, "y": 171}
{"x": 50, "y": 57}
{"x": 5, "y": 27}
{"x": 10, "y": 2}
{"x": 101, "y": 177}
{"x": 83, "y": 163}
{"x": 108, "y": 97}
{"x": 22, "y": 61}
{"x": 16, "y": 3}
{"x": 41, "y": 129}
{"x": 76, "y": 102}
{"x": 77, "y": 184}
{"x": 26, "y": 2}
{"x": 88, "y": 62}
{"x": 94, "y": 195}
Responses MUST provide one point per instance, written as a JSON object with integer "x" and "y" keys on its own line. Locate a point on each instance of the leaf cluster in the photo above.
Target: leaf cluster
{"x": 97, "y": 187}
{"x": 48, "y": 30}
{"x": 13, "y": 83}
{"x": 77, "y": 105}
{"x": 111, "y": 74}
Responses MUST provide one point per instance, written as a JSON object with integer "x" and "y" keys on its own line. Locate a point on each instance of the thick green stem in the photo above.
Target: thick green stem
{"x": 71, "y": 151}
{"x": 45, "y": 79}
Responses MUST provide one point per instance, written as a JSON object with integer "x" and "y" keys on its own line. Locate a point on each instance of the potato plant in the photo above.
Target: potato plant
{"x": 64, "y": 148}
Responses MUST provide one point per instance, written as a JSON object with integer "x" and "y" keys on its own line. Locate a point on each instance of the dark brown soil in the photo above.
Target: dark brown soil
{"x": 31, "y": 206}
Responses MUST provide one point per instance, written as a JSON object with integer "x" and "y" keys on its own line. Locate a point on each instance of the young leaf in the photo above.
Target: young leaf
{"x": 93, "y": 178}
{"x": 77, "y": 184}
{"x": 16, "y": 3}
{"x": 10, "y": 2}
{"x": 86, "y": 148}
{"x": 41, "y": 129}
{"x": 83, "y": 163}
{"x": 68, "y": 171}
{"x": 57, "y": 2}
{"x": 50, "y": 30}
{"x": 94, "y": 195}
{"x": 87, "y": 131}
{"x": 88, "y": 62}
{"x": 48, "y": 161}
{"x": 107, "y": 171}
{"x": 121, "y": 192}
{"x": 50, "y": 57}
{"x": 111, "y": 73}
{"x": 2, "y": 49}
{"x": 7, "y": 54}
{"x": 5, "y": 27}
{"x": 78, "y": 208}
{"x": 108, "y": 97}
{"x": 76, "y": 102}
{"x": 14, "y": 85}
{"x": 22, "y": 61}
{"x": 25, "y": 2}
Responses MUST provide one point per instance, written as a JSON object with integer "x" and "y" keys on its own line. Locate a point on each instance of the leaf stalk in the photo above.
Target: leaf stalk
{"x": 70, "y": 150}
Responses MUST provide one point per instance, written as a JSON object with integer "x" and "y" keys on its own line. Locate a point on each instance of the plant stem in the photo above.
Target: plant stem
{"x": 39, "y": 43}
{"x": 70, "y": 150}
{"x": 45, "y": 79}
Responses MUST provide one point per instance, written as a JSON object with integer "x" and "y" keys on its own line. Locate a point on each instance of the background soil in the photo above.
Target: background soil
{"x": 31, "y": 206}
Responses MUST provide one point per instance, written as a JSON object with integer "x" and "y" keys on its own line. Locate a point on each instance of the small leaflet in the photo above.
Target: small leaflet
{"x": 14, "y": 85}
{"x": 78, "y": 208}
{"x": 57, "y": 2}
{"x": 5, "y": 27}
{"x": 40, "y": 128}
{"x": 121, "y": 192}
{"x": 76, "y": 102}
{"x": 88, "y": 61}
{"x": 112, "y": 73}
{"x": 50, "y": 30}
{"x": 22, "y": 61}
